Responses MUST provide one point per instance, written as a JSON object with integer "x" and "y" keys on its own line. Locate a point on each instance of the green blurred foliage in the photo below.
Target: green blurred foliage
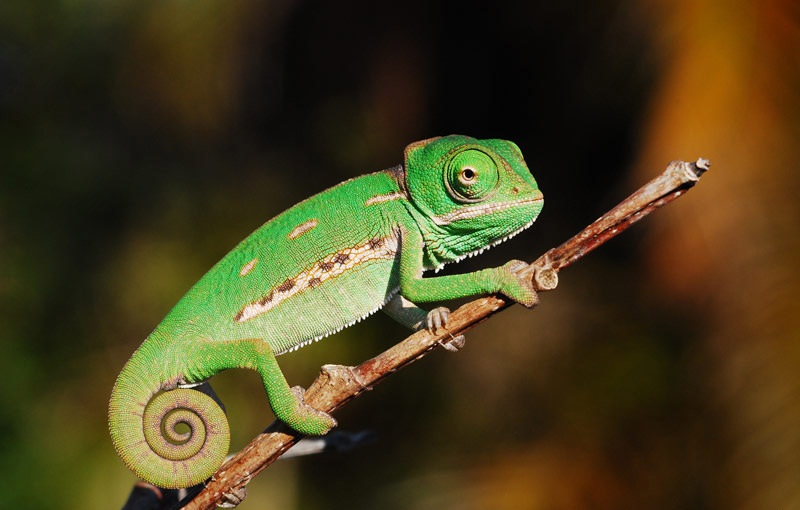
{"x": 140, "y": 140}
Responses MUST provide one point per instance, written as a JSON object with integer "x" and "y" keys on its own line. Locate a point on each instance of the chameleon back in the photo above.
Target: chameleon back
{"x": 262, "y": 288}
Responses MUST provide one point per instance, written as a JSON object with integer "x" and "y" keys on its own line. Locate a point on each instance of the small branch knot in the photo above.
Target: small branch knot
{"x": 701, "y": 166}
{"x": 545, "y": 278}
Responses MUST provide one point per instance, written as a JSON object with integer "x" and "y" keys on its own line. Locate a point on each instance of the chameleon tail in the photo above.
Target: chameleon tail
{"x": 143, "y": 421}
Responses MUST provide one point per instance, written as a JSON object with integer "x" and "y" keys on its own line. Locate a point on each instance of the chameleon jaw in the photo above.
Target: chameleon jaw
{"x": 498, "y": 207}
{"x": 475, "y": 211}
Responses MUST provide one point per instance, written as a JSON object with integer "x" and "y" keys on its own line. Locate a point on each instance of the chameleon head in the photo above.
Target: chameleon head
{"x": 471, "y": 194}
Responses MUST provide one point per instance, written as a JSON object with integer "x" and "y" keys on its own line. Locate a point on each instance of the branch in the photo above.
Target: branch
{"x": 336, "y": 385}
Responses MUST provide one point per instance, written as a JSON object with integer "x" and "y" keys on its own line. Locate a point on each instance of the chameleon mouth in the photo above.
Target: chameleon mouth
{"x": 483, "y": 209}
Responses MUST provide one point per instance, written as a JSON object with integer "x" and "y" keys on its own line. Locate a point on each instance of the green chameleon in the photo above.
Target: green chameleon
{"x": 311, "y": 271}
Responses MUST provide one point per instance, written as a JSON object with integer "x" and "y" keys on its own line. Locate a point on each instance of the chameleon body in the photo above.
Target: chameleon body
{"x": 320, "y": 266}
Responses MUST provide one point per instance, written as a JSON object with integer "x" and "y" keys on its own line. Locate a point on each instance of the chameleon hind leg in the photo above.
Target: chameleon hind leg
{"x": 287, "y": 403}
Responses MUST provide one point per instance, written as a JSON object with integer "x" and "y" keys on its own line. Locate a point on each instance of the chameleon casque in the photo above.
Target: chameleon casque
{"x": 311, "y": 271}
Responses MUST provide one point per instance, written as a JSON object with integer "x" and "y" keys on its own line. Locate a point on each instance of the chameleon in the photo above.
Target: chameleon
{"x": 318, "y": 267}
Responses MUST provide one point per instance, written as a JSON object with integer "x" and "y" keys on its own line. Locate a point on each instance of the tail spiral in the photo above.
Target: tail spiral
{"x": 144, "y": 429}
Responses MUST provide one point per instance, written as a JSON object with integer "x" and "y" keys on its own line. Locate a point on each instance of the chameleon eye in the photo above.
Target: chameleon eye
{"x": 467, "y": 175}
{"x": 471, "y": 174}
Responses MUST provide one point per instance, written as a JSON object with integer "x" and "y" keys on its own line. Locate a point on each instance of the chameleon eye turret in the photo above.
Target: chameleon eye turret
{"x": 471, "y": 175}
{"x": 319, "y": 267}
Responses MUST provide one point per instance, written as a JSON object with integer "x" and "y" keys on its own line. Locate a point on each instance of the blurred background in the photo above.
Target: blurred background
{"x": 141, "y": 140}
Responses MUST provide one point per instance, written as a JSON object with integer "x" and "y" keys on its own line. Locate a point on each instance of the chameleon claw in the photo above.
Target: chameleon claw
{"x": 233, "y": 497}
{"x": 454, "y": 344}
{"x": 520, "y": 288}
{"x": 437, "y": 319}
{"x": 516, "y": 266}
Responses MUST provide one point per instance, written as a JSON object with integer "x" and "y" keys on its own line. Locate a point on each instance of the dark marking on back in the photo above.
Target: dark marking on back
{"x": 314, "y": 282}
{"x": 326, "y": 266}
{"x": 266, "y": 299}
{"x": 286, "y": 286}
{"x": 375, "y": 243}
{"x": 341, "y": 258}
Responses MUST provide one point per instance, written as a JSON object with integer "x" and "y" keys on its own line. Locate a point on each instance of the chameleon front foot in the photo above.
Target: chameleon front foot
{"x": 305, "y": 419}
{"x": 516, "y": 285}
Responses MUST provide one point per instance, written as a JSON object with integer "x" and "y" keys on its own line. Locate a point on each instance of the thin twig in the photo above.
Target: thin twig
{"x": 337, "y": 385}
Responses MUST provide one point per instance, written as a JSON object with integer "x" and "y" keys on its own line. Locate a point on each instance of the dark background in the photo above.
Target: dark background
{"x": 140, "y": 140}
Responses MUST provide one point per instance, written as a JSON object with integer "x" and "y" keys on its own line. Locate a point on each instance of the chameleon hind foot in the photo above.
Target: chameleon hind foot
{"x": 438, "y": 319}
{"x": 454, "y": 343}
{"x": 233, "y": 497}
{"x": 307, "y": 420}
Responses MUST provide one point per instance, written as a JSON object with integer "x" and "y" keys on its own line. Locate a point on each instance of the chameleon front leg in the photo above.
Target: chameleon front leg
{"x": 287, "y": 403}
{"x": 505, "y": 279}
{"x": 415, "y": 318}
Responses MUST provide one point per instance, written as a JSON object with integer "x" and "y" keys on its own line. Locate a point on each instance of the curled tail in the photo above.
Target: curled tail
{"x": 143, "y": 419}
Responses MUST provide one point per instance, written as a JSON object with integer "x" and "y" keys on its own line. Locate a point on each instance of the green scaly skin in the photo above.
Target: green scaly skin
{"x": 320, "y": 266}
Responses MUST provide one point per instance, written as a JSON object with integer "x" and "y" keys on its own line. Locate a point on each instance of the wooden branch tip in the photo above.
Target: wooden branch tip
{"x": 337, "y": 385}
